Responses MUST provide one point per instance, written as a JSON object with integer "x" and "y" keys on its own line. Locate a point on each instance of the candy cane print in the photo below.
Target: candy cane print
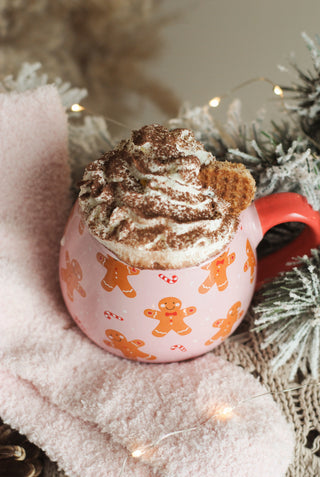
{"x": 109, "y": 315}
{"x": 178, "y": 346}
{"x": 166, "y": 279}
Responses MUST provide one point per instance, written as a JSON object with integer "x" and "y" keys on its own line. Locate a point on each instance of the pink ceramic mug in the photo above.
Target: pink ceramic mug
{"x": 172, "y": 315}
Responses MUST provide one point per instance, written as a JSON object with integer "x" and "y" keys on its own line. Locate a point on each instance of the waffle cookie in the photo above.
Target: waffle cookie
{"x": 232, "y": 182}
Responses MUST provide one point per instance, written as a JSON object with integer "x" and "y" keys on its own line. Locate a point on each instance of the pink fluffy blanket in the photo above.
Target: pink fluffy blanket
{"x": 86, "y": 408}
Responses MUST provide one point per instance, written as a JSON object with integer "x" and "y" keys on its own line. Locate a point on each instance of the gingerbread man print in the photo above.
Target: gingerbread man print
{"x": 72, "y": 275}
{"x": 217, "y": 272}
{"x": 171, "y": 317}
{"x": 130, "y": 349}
{"x": 251, "y": 261}
{"x": 117, "y": 275}
{"x": 226, "y": 324}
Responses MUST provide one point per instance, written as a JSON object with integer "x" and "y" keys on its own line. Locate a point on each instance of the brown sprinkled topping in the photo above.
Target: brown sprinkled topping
{"x": 152, "y": 194}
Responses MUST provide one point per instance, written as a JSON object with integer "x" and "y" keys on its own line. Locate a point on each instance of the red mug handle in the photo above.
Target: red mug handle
{"x": 277, "y": 209}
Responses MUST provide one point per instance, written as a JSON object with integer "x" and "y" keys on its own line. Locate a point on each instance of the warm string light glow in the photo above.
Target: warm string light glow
{"x": 78, "y": 108}
{"x": 214, "y": 102}
{"x": 221, "y": 412}
{"x": 137, "y": 453}
{"x": 277, "y": 90}
{"x": 224, "y": 413}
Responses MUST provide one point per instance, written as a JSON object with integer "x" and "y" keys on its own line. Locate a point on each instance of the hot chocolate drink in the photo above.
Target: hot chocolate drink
{"x": 160, "y": 201}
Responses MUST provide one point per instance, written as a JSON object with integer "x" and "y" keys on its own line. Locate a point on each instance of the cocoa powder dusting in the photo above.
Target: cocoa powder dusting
{"x": 155, "y": 194}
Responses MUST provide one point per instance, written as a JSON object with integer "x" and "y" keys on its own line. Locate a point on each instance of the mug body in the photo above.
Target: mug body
{"x": 157, "y": 315}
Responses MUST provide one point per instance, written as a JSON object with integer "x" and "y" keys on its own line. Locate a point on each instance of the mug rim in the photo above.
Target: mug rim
{"x": 159, "y": 270}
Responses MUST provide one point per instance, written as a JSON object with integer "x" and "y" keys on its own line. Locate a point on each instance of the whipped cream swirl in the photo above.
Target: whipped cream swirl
{"x": 145, "y": 202}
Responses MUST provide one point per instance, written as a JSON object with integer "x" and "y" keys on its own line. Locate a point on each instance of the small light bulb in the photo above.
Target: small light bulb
{"x": 278, "y": 91}
{"x": 222, "y": 412}
{"x": 226, "y": 412}
{"x": 137, "y": 453}
{"x": 76, "y": 108}
{"x": 214, "y": 102}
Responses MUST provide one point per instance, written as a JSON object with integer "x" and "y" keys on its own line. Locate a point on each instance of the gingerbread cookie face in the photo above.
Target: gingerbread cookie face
{"x": 226, "y": 324}
{"x": 171, "y": 317}
{"x": 130, "y": 349}
{"x": 72, "y": 275}
{"x": 217, "y": 272}
{"x": 117, "y": 275}
{"x": 251, "y": 261}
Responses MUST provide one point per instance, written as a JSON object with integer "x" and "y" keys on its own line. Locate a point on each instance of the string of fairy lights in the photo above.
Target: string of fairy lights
{"x": 222, "y": 412}
{"x": 277, "y": 90}
{"x": 213, "y": 103}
